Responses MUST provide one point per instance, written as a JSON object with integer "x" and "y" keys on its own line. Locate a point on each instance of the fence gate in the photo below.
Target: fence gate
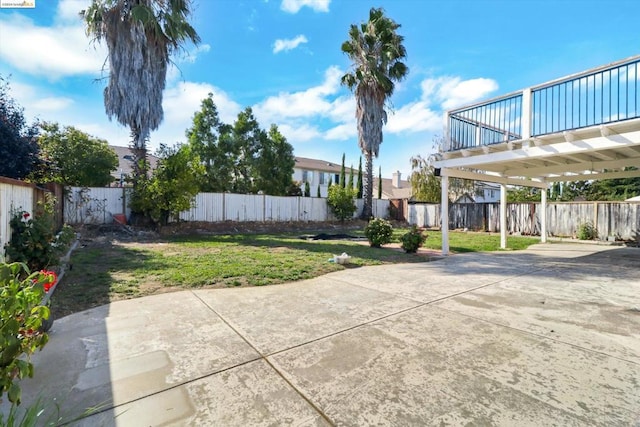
{"x": 397, "y": 208}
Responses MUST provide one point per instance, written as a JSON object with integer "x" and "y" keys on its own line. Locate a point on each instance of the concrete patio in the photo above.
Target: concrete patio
{"x": 548, "y": 336}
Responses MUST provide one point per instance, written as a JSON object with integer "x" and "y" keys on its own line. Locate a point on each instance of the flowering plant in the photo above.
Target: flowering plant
{"x": 21, "y": 317}
{"x": 33, "y": 241}
{"x": 48, "y": 279}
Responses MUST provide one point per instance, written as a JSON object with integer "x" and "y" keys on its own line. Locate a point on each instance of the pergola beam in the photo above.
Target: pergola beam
{"x": 587, "y": 146}
{"x": 591, "y": 176}
{"x": 491, "y": 177}
{"x": 573, "y": 167}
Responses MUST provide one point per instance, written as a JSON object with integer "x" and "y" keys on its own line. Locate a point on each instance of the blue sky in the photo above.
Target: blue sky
{"x": 283, "y": 58}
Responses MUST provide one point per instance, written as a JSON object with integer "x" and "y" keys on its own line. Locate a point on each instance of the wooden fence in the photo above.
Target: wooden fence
{"x": 620, "y": 220}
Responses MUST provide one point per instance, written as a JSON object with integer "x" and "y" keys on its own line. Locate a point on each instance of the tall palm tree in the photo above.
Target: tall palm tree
{"x": 141, "y": 35}
{"x": 376, "y": 51}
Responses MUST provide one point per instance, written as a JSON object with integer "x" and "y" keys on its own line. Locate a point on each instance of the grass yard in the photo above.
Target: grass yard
{"x": 105, "y": 271}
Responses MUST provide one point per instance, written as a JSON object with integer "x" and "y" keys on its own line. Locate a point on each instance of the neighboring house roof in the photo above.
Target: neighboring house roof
{"x": 320, "y": 165}
{"x": 125, "y": 159}
{"x": 633, "y": 199}
{"x": 465, "y": 198}
{"x": 402, "y": 189}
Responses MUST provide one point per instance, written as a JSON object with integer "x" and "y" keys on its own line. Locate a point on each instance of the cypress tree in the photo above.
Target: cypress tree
{"x": 343, "y": 182}
{"x": 359, "y": 184}
{"x": 307, "y": 189}
{"x": 318, "y": 195}
{"x": 351, "y": 177}
{"x": 379, "y": 182}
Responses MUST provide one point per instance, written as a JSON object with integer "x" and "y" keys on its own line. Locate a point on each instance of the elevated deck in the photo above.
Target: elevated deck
{"x": 581, "y": 127}
{"x": 584, "y": 126}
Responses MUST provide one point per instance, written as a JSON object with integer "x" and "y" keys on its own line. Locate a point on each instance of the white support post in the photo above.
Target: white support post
{"x": 526, "y": 114}
{"x": 503, "y": 216}
{"x": 543, "y": 217}
{"x": 444, "y": 214}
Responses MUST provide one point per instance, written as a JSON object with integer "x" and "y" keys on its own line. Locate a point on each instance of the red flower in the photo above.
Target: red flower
{"x": 50, "y": 278}
{"x": 26, "y": 215}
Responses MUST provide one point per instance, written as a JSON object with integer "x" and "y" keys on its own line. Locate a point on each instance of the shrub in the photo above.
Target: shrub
{"x": 341, "y": 201}
{"x": 33, "y": 241}
{"x": 378, "y": 232}
{"x": 21, "y": 317}
{"x": 587, "y": 231}
{"x": 412, "y": 240}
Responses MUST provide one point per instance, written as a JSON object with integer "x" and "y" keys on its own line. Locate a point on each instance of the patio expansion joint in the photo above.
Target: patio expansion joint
{"x": 266, "y": 360}
{"x": 419, "y": 304}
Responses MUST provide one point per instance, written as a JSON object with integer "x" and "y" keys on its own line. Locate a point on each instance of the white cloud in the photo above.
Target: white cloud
{"x": 50, "y": 104}
{"x": 182, "y": 101}
{"x": 60, "y": 50}
{"x": 414, "y": 117}
{"x": 69, "y": 10}
{"x": 293, "y": 6}
{"x": 192, "y": 54}
{"x": 288, "y": 44}
{"x": 307, "y": 103}
{"x": 293, "y": 133}
{"x": 452, "y": 92}
{"x": 343, "y": 109}
{"x": 342, "y": 132}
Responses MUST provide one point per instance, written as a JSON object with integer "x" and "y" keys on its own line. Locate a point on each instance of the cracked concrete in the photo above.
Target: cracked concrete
{"x": 547, "y": 336}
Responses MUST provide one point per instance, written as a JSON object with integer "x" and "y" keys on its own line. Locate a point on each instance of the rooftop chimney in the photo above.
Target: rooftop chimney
{"x": 395, "y": 180}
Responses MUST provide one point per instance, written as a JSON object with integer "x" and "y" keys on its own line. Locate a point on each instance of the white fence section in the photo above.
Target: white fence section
{"x": 98, "y": 205}
{"x": 12, "y": 197}
{"x": 95, "y": 205}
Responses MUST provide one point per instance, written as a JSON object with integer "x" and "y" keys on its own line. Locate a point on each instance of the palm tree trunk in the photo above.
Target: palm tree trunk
{"x": 367, "y": 211}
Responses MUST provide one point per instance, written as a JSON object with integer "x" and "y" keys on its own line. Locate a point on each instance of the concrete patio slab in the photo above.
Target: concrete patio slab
{"x": 272, "y": 319}
{"x": 124, "y": 351}
{"x": 547, "y": 336}
{"x": 248, "y": 395}
{"x": 412, "y": 369}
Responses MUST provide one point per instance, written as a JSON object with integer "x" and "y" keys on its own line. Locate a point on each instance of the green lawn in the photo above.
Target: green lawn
{"x": 111, "y": 271}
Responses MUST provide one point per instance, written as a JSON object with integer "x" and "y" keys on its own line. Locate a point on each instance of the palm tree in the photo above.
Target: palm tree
{"x": 141, "y": 35}
{"x": 376, "y": 51}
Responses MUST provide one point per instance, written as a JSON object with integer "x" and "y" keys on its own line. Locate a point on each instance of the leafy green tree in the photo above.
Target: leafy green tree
{"x": 523, "y": 194}
{"x": 247, "y": 140}
{"x": 72, "y": 157}
{"x": 425, "y": 186}
{"x": 575, "y": 190}
{"x": 140, "y": 35}
{"x": 172, "y": 186}
{"x": 615, "y": 189}
{"x": 274, "y": 163}
{"x": 294, "y": 189}
{"x": 376, "y": 52}
{"x": 343, "y": 182}
{"x": 212, "y": 141}
{"x": 359, "y": 183}
{"x": 341, "y": 201}
{"x": 18, "y": 141}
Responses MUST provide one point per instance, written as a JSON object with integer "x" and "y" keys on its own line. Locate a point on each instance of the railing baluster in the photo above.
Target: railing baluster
{"x": 555, "y": 107}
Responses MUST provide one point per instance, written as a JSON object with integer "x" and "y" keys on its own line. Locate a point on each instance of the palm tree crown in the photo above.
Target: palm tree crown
{"x": 140, "y": 35}
{"x": 376, "y": 51}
